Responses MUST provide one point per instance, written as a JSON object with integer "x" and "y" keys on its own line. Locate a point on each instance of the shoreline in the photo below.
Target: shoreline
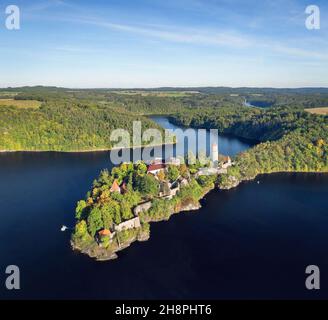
{"x": 89, "y": 150}
{"x": 103, "y": 255}
{"x": 249, "y": 140}
{"x": 171, "y": 119}
{"x": 238, "y": 182}
{"x": 100, "y": 254}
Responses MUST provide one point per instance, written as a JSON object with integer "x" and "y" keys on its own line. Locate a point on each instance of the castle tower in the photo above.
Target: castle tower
{"x": 215, "y": 155}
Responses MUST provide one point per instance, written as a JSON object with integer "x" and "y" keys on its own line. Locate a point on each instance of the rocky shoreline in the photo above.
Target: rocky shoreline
{"x": 233, "y": 182}
{"x": 102, "y": 254}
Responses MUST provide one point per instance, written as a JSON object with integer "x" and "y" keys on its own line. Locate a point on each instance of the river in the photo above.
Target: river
{"x": 251, "y": 242}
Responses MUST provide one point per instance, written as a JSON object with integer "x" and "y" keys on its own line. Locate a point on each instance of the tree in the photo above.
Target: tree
{"x": 105, "y": 178}
{"x": 105, "y": 241}
{"x": 191, "y": 158}
{"x": 184, "y": 172}
{"x": 141, "y": 168}
{"x": 161, "y": 175}
{"x": 147, "y": 185}
{"x": 132, "y": 198}
{"x": 320, "y": 143}
{"x": 126, "y": 168}
{"x": 108, "y": 214}
{"x": 95, "y": 221}
{"x": 173, "y": 173}
{"x": 117, "y": 174}
{"x": 115, "y": 211}
{"x": 81, "y": 231}
{"x": 126, "y": 212}
{"x": 206, "y": 181}
{"x": 81, "y": 205}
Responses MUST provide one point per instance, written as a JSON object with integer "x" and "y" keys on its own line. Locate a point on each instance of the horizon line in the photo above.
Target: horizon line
{"x": 161, "y": 87}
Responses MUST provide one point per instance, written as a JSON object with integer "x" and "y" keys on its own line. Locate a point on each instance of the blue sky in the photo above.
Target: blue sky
{"x": 152, "y": 43}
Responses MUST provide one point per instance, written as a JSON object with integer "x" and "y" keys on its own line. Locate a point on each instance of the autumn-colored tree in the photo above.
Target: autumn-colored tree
{"x": 320, "y": 143}
{"x": 184, "y": 172}
{"x": 141, "y": 168}
{"x": 161, "y": 175}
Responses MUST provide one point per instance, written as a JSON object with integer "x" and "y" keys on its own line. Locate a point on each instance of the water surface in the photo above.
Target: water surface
{"x": 251, "y": 242}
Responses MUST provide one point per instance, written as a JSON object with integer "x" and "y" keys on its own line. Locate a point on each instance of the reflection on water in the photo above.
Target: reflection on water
{"x": 227, "y": 145}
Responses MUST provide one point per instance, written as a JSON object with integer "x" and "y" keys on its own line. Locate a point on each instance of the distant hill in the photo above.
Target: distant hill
{"x": 207, "y": 90}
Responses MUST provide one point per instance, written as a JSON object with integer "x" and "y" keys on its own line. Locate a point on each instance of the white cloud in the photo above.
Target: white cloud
{"x": 191, "y": 36}
{"x": 209, "y": 37}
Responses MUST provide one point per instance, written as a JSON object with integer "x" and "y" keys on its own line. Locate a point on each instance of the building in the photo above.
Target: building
{"x": 156, "y": 168}
{"x": 130, "y": 224}
{"x": 226, "y": 163}
{"x": 157, "y": 161}
{"x": 207, "y": 172}
{"x": 104, "y": 233}
{"x": 215, "y": 155}
{"x": 174, "y": 161}
{"x": 115, "y": 187}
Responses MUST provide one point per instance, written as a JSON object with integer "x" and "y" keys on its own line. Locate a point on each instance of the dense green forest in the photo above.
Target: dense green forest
{"x": 74, "y": 119}
{"x": 80, "y": 120}
{"x": 292, "y": 140}
{"x": 63, "y": 123}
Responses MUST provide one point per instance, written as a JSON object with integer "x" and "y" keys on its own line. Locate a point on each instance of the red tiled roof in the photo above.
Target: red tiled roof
{"x": 159, "y": 166}
{"x": 104, "y": 233}
{"x": 115, "y": 187}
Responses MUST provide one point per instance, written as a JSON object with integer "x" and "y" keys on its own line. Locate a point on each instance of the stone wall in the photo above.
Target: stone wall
{"x": 130, "y": 224}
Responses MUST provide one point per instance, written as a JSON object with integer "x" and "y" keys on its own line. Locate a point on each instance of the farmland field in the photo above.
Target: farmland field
{"x": 24, "y": 104}
{"x": 322, "y": 111}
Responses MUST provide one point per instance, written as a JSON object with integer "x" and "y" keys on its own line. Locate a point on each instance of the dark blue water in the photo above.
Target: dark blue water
{"x": 258, "y": 104}
{"x": 227, "y": 145}
{"x": 251, "y": 242}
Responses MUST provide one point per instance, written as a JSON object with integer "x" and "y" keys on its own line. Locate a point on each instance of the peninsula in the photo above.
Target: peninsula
{"x": 122, "y": 203}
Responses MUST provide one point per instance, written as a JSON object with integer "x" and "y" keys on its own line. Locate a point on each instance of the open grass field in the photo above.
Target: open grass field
{"x": 322, "y": 111}
{"x": 24, "y": 104}
{"x": 8, "y": 94}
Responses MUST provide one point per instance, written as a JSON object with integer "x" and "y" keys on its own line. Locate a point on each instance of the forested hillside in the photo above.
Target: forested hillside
{"x": 63, "y": 126}
{"x": 59, "y": 119}
{"x": 293, "y": 140}
{"x": 79, "y": 120}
